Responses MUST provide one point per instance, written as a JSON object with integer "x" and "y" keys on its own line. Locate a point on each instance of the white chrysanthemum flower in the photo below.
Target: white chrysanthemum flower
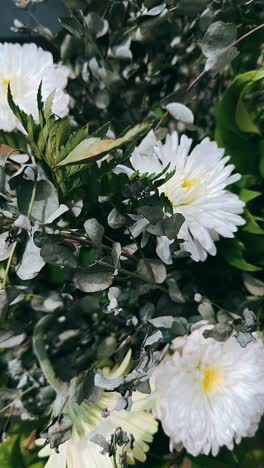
{"x": 88, "y": 420}
{"x": 210, "y": 393}
{"x": 24, "y": 67}
{"x": 197, "y": 190}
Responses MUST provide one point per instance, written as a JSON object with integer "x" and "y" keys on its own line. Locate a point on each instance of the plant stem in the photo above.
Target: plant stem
{"x": 193, "y": 83}
{"x": 18, "y": 397}
{"x": 134, "y": 275}
{"x": 30, "y": 206}
{"x": 235, "y": 43}
{"x": 240, "y": 39}
{"x": 34, "y": 190}
{"x": 9, "y": 264}
{"x": 40, "y": 351}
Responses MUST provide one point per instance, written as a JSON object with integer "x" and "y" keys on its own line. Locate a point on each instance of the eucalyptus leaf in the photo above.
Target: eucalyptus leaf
{"x": 220, "y": 332}
{"x": 216, "y": 45}
{"x": 218, "y": 37}
{"x": 31, "y": 262}
{"x": 82, "y": 388}
{"x": 217, "y": 63}
{"x": 58, "y": 432}
{"x": 106, "y": 383}
{"x": 152, "y": 269}
{"x": 5, "y": 246}
{"x": 157, "y": 10}
{"x": 180, "y": 112}
{"x": 153, "y": 339}
{"x": 253, "y": 285}
{"x": 115, "y": 219}
{"x": 172, "y": 225}
{"x": 165, "y": 321}
{"x": 93, "y": 279}
{"x": 9, "y": 340}
{"x": 94, "y": 231}
{"x": 100, "y": 440}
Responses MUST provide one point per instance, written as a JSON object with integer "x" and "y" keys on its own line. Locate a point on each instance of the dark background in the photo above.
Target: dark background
{"x": 47, "y": 13}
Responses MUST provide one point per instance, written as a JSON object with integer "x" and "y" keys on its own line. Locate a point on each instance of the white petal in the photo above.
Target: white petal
{"x": 163, "y": 249}
{"x": 25, "y": 67}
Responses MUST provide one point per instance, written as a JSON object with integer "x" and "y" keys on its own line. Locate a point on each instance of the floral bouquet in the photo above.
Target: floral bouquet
{"x": 131, "y": 243}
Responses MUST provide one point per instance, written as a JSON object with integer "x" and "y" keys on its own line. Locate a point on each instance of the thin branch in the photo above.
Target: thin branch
{"x": 234, "y": 44}
{"x": 18, "y": 397}
{"x": 40, "y": 351}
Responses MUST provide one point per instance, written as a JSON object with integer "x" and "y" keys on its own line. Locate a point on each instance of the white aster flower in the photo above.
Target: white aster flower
{"x": 210, "y": 393}
{"x": 88, "y": 420}
{"x": 24, "y": 67}
{"x": 197, "y": 190}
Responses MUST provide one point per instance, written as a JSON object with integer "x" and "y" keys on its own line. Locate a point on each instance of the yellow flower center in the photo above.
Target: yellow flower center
{"x": 188, "y": 184}
{"x": 5, "y": 83}
{"x": 212, "y": 379}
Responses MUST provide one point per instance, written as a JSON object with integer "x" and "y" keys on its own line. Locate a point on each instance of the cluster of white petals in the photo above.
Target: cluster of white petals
{"x": 197, "y": 190}
{"x": 210, "y": 393}
{"x": 80, "y": 451}
{"x": 24, "y": 67}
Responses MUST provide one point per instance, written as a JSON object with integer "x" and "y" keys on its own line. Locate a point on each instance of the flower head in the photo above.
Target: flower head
{"x": 100, "y": 418}
{"x": 197, "y": 189}
{"x": 24, "y": 67}
{"x": 210, "y": 393}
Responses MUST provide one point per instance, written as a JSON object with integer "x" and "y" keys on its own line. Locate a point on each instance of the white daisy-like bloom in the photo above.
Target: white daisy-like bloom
{"x": 197, "y": 190}
{"x": 88, "y": 420}
{"x": 24, "y": 67}
{"x": 210, "y": 394}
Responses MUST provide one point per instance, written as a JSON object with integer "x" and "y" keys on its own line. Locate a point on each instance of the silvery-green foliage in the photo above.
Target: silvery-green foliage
{"x": 78, "y": 241}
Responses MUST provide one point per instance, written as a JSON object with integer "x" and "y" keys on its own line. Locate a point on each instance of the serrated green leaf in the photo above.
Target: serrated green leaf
{"x": 48, "y": 105}
{"x": 20, "y": 115}
{"x": 74, "y": 140}
{"x": 93, "y": 147}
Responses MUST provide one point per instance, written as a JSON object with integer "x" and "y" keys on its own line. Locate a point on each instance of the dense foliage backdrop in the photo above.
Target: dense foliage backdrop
{"x": 72, "y": 260}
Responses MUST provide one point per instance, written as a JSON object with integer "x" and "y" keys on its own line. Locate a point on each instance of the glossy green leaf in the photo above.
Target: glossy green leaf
{"x": 233, "y": 251}
{"x": 233, "y": 128}
{"x": 252, "y": 226}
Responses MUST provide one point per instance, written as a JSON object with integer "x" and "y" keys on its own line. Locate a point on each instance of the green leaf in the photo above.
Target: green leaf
{"x": 253, "y": 285}
{"x": 261, "y": 163}
{"x": 14, "y": 139}
{"x": 244, "y": 120}
{"x": 233, "y": 250}
{"x": 230, "y": 133}
{"x": 93, "y": 147}
{"x": 75, "y": 139}
{"x": 74, "y": 24}
{"x": 39, "y": 100}
{"x": 248, "y": 195}
{"x": 48, "y": 105}
{"x": 10, "y": 454}
{"x": 252, "y": 226}
{"x": 20, "y": 115}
